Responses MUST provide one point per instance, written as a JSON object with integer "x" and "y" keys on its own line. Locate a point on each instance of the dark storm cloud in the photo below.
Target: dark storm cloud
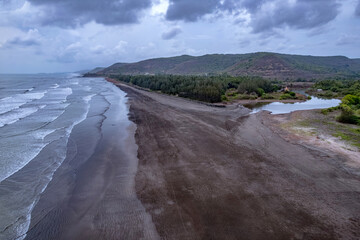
{"x": 72, "y": 13}
{"x": 357, "y": 10}
{"x": 301, "y": 14}
{"x": 347, "y": 40}
{"x": 20, "y": 42}
{"x": 171, "y": 34}
{"x": 253, "y": 5}
{"x": 23, "y": 42}
{"x": 304, "y": 14}
{"x": 190, "y": 10}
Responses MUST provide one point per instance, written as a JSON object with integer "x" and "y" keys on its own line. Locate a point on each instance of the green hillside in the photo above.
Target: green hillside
{"x": 268, "y": 65}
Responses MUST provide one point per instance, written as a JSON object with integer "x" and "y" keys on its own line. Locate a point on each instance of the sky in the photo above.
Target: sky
{"x": 38, "y": 36}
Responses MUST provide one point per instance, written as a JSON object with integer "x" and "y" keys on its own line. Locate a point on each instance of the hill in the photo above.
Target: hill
{"x": 264, "y": 64}
{"x": 97, "y": 69}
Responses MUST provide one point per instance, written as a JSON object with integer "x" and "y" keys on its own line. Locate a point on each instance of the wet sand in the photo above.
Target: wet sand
{"x": 92, "y": 194}
{"x": 217, "y": 173}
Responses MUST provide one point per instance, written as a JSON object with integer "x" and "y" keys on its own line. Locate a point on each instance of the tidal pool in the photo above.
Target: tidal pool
{"x": 280, "y": 108}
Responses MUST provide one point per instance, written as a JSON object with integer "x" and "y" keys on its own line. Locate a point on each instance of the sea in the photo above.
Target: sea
{"x": 38, "y": 114}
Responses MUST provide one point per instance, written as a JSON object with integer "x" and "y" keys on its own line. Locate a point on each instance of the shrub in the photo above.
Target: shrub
{"x": 267, "y": 96}
{"x": 340, "y": 87}
{"x": 351, "y": 100}
{"x": 335, "y": 89}
{"x": 331, "y": 109}
{"x": 352, "y": 119}
{"x": 260, "y": 92}
{"x": 347, "y": 113}
{"x": 247, "y": 97}
{"x": 327, "y": 94}
{"x": 287, "y": 96}
{"x": 252, "y": 84}
{"x": 232, "y": 94}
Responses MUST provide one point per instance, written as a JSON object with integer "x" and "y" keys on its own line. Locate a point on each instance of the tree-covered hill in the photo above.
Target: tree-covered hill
{"x": 263, "y": 64}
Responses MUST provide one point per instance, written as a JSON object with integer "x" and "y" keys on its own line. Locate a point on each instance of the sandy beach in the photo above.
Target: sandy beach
{"x": 190, "y": 171}
{"x": 180, "y": 120}
{"x": 210, "y": 173}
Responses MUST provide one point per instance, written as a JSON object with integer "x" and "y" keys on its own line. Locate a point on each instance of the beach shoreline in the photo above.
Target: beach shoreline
{"x": 92, "y": 194}
{"x": 220, "y": 173}
{"x": 185, "y": 170}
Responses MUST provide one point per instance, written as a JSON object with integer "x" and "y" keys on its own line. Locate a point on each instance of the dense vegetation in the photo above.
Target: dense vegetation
{"x": 336, "y": 88}
{"x": 350, "y": 109}
{"x": 350, "y": 103}
{"x": 203, "y": 88}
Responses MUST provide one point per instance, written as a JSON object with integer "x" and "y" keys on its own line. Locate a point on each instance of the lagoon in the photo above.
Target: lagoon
{"x": 281, "y": 108}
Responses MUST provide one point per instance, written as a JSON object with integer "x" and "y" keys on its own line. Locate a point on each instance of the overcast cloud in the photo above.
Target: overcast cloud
{"x": 172, "y": 33}
{"x": 67, "y": 35}
{"x": 72, "y": 13}
{"x": 357, "y": 11}
{"x": 265, "y": 14}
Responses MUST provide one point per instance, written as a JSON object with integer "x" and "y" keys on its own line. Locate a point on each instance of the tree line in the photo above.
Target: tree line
{"x": 339, "y": 87}
{"x": 202, "y": 88}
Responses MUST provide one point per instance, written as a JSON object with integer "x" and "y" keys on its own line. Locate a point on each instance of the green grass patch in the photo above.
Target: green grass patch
{"x": 348, "y": 137}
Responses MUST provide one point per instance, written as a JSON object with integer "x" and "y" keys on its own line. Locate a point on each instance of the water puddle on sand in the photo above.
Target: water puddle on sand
{"x": 281, "y": 108}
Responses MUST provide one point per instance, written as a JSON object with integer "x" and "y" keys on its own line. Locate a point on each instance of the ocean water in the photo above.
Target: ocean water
{"x": 37, "y": 116}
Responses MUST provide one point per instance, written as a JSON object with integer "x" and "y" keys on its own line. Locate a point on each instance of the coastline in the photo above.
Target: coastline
{"x": 183, "y": 170}
{"x": 219, "y": 173}
{"x": 92, "y": 194}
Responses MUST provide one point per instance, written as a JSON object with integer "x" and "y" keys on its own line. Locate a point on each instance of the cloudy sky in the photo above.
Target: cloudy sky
{"x": 70, "y": 35}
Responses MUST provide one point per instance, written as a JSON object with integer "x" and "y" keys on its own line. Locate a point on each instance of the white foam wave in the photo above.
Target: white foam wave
{"x": 10, "y": 103}
{"x": 73, "y": 75}
{"x": 58, "y": 95}
{"x": 66, "y": 91}
{"x": 17, "y": 114}
{"x": 32, "y": 145}
{"x": 87, "y": 88}
{"x": 23, "y": 226}
{"x": 57, "y": 160}
{"x": 19, "y": 229}
{"x": 88, "y": 98}
{"x": 57, "y": 132}
{"x": 13, "y": 161}
{"x": 41, "y": 134}
{"x": 55, "y": 86}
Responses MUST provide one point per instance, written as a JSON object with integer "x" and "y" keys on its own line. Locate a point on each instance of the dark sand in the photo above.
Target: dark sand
{"x": 211, "y": 173}
{"x": 203, "y": 173}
